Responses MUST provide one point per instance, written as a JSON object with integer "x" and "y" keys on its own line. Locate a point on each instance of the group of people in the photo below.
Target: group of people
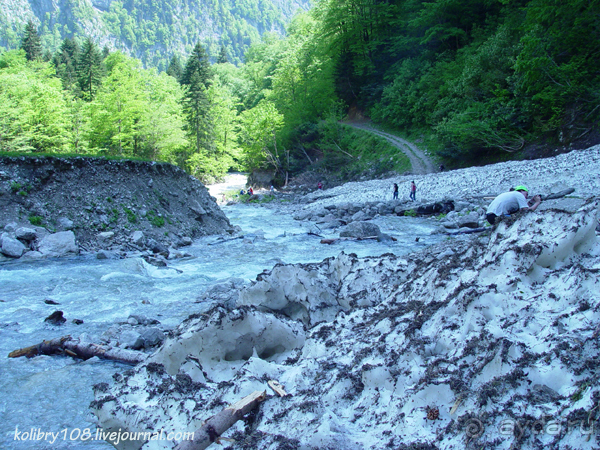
{"x": 413, "y": 191}
{"x": 505, "y": 204}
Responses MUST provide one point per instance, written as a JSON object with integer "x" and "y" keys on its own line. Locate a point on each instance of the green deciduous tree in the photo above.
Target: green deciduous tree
{"x": 34, "y": 112}
{"x": 258, "y": 136}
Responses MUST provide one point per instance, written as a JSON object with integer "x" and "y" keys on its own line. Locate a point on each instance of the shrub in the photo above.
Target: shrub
{"x": 131, "y": 217}
{"x": 35, "y": 220}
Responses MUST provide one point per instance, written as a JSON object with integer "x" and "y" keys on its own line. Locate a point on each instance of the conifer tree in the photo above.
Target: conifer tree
{"x": 65, "y": 61}
{"x": 197, "y": 63}
{"x": 90, "y": 69}
{"x": 222, "y": 56}
{"x": 31, "y": 43}
{"x": 196, "y": 105}
{"x": 175, "y": 70}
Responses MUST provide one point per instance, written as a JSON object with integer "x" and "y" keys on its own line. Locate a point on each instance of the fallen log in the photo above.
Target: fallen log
{"x": 86, "y": 350}
{"x": 210, "y": 431}
{"x": 226, "y": 240}
{"x": 470, "y": 231}
{"x": 560, "y": 194}
{"x": 334, "y": 240}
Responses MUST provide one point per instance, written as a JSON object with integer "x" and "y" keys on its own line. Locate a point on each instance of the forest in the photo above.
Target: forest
{"x": 476, "y": 81}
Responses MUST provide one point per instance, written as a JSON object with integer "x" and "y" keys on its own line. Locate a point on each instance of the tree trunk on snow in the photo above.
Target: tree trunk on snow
{"x": 220, "y": 422}
{"x": 68, "y": 345}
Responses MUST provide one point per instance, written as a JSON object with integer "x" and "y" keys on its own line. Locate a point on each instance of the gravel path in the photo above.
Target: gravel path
{"x": 420, "y": 162}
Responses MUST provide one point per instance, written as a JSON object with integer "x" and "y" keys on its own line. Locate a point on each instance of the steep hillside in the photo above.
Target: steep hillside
{"x": 105, "y": 202}
{"x": 149, "y": 30}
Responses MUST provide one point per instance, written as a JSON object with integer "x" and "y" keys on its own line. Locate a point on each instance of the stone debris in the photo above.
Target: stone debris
{"x": 117, "y": 206}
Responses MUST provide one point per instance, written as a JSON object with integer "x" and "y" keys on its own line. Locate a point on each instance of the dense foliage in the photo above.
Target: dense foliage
{"x": 153, "y": 30}
{"x": 483, "y": 79}
{"x": 487, "y": 77}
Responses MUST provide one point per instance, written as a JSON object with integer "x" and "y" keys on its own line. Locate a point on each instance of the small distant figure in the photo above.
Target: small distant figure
{"x": 250, "y": 191}
{"x": 319, "y": 185}
{"x": 413, "y": 191}
{"x": 511, "y": 202}
{"x": 395, "y": 191}
{"x": 442, "y": 168}
{"x": 242, "y": 192}
{"x": 272, "y": 190}
{"x": 223, "y": 199}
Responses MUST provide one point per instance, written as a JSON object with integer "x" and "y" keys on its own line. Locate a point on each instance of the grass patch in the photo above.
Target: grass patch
{"x": 131, "y": 217}
{"x": 35, "y": 220}
{"x": 155, "y": 219}
{"x": 410, "y": 213}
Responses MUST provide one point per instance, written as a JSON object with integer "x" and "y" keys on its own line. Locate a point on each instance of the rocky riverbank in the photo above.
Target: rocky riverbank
{"x": 488, "y": 341}
{"x": 51, "y": 206}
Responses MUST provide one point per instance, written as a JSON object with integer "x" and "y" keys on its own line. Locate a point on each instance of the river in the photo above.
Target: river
{"x": 52, "y": 394}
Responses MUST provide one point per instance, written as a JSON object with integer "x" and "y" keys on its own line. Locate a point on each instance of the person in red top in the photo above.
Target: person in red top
{"x": 250, "y": 191}
{"x": 413, "y": 191}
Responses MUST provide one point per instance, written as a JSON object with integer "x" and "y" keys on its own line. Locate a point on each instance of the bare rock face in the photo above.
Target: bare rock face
{"x": 462, "y": 344}
{"x": 95, "y": 198}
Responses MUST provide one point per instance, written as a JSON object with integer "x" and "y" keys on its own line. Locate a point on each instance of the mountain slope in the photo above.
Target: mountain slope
{"x": 151, "y": 30}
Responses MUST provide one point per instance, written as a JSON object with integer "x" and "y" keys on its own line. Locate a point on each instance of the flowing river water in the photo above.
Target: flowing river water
{"x": 52, "y": 394}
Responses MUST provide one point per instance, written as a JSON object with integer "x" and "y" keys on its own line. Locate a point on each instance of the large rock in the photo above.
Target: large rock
{"x": 12, "y": 247}
{"x": 25, "y": 234}
{"x": 470, "y": 220}
{"x": 361, "y": 230}
{"x": 59, "y": 244}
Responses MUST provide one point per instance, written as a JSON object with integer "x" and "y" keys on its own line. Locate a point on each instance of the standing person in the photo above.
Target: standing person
{"x": 413, "y": 191}
{"x": 395, "y": 191}
{"x": 319, "y": 185}
{"x": 511, "y": 202}
{"x": 272, "y": 190}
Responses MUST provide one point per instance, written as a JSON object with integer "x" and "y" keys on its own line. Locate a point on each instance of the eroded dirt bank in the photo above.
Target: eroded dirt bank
{"x": 104, "y": 203}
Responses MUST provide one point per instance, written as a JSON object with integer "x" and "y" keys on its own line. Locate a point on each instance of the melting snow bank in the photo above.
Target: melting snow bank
{"x": 486, "y": 342}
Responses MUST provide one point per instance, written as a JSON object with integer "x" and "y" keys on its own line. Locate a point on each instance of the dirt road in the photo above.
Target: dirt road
{"x": 420, "y": 162}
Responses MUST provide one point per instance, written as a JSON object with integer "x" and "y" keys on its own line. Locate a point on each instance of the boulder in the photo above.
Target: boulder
{"x": 11, "y": 227}
{"x": 56, "y": 318}
{"x": 360, "y": 230}
{"x": 359, "y": 216}
{"x": 106, "y": 254}
{"x": 302, "y": 215}
{"x": 471, "y": 220}
{"x": 197, "y": 208}
{"x": 137, "y": 237}
{"x": 105, "y": 236}
{"x": 152, "y": 337}
{"x": 25, "y": 234}
{"x": 65, "y": 224}
{"x": 12, "y": 247}
{"x": 59, "y": 244}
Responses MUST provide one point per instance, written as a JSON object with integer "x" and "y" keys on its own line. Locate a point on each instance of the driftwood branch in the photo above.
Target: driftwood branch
{"x": 72, "y": 347}
{"x": 220, "y": 422}
{"x": 558, "y": 194}
{"x": 226, "y": 240}
{"x": 277, "y": 388}
{"x": 333, "y": 241}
